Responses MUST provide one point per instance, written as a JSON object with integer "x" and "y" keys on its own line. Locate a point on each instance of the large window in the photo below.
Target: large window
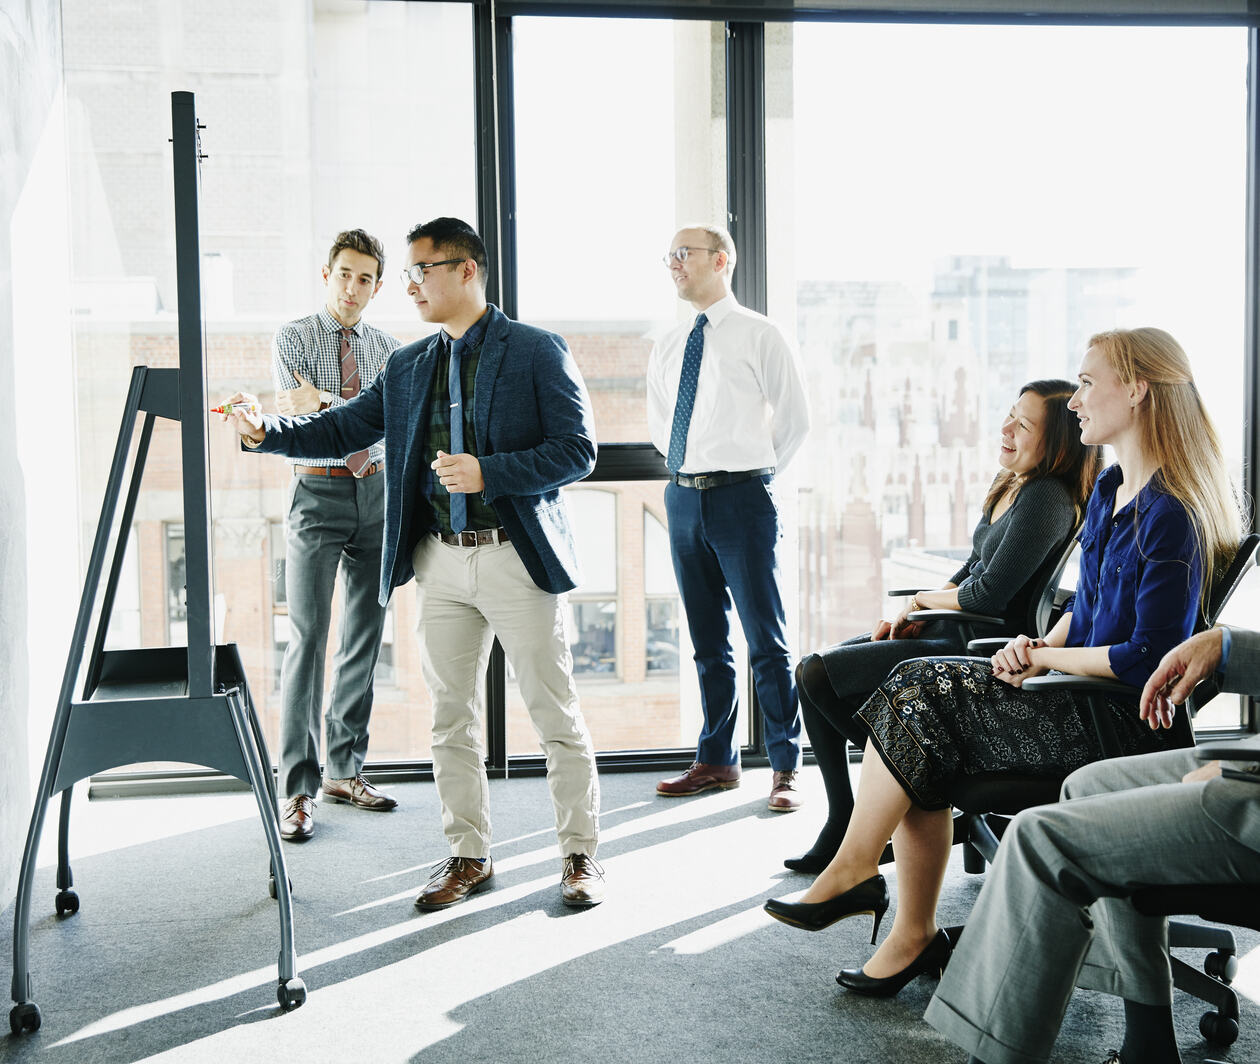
{"x": 315, "y": 122}
{"x": 1061, "y": 181}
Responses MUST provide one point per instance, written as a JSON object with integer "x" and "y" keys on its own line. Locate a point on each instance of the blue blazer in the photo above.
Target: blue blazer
{"x": 534, "y": 434}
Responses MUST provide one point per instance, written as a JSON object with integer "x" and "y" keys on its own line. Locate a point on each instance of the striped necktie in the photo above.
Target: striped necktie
{"x": 358, "y": 461}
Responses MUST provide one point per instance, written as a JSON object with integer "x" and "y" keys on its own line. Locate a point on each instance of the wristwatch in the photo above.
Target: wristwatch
{"x": 325, "y": 399}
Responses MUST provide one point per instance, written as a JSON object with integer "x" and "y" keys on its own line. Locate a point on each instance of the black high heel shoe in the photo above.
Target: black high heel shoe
{"x": 869, "y": 897}
{"x": 933, "y": 959}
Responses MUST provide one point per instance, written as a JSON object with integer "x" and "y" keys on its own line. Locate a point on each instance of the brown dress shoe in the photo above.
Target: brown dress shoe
{"x": 297, "y": 819}
{"x": 582, "y": 881}
{"x": 358, "y": 790}
{"x": 453, "y": 880}
{"x": 700, "y": 778}
{"x": 784, "y": 797}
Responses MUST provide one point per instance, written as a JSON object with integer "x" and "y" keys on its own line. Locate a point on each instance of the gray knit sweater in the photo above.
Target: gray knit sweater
{"x": 1005, "y": 554}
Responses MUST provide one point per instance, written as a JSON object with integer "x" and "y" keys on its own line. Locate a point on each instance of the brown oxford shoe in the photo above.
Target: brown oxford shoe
{"x": 784, "y": 797}
{"x": 359, "y": 790}
{"x": 297, "y": 820}
{"x": 582, "y": 882}
{"x": 700, "y": 778}
{"x": 454, "y": 880}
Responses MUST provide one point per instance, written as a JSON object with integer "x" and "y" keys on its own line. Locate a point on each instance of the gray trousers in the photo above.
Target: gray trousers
{"x": 1053, "y": 914}
{"x": 333, "y": 522}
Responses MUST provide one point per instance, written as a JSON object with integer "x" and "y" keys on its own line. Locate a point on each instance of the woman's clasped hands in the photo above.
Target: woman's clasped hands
{"x": 1014, "y": 663}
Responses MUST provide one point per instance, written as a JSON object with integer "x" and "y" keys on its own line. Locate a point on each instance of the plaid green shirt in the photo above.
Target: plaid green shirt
{"x": 480, "y": 514}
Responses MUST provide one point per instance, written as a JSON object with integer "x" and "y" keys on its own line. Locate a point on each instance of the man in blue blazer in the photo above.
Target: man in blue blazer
{"x": 483, "y": 424}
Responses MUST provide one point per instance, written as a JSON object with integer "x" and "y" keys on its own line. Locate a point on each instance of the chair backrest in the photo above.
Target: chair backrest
{"x": 1224, "y": 586}
{"x": 1043, "y": 588}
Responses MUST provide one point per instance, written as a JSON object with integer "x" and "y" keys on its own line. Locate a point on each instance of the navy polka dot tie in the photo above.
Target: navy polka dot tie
{"x": 686, "y": 395}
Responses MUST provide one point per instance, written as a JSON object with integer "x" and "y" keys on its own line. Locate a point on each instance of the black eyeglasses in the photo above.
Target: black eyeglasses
{"x": 680, "y": 254}
{"x": 415, "y": 273}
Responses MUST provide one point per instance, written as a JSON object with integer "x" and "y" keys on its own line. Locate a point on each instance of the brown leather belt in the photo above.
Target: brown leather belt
{"x": 469, "y": 538}
{"x": 336, "y": 470}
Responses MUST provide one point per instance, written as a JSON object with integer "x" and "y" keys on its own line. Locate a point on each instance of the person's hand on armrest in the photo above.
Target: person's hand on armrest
{"x": 1014, "y": 663}
{"x": 1177, "y": 675}
{"x": 243, "y": 412}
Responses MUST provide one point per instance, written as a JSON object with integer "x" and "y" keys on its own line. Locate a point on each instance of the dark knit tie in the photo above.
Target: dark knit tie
{"x": 686, "y": 395}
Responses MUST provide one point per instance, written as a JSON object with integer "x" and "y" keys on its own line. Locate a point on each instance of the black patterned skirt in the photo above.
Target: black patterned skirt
{"x": 935, "y": 719}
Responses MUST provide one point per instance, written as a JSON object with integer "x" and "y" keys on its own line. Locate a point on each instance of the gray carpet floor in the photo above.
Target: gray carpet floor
{"x": 172, "y": 956}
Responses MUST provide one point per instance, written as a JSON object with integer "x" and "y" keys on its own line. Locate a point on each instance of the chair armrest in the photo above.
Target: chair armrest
{"x": 957, "y": 616}
{"x": 988, "y": 646}
{"x": 1099, "y": 685}
{"x": 906, "y": 592}
{"x": 1227, "y": 753}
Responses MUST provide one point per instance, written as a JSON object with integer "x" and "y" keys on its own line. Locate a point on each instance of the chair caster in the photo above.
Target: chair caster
{"x": 67, "y": 903}
{"x": 1222, "y": 966}
{"x": 1218, "y": 1029}
{"x": 271, "y": 886}
{"x": 24, "y": 1017}
{"x": 292, "y": 994}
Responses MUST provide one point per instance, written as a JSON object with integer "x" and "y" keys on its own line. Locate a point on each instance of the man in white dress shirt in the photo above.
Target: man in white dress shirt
{"x": 727, "y": 407}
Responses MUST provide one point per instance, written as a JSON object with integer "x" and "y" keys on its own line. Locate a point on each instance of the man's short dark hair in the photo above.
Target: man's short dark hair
{"x": 363, "y": 243}
{"x": 453, "y": 238}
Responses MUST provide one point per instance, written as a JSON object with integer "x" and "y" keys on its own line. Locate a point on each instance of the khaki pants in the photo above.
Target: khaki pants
{"x": 467, "y": 596}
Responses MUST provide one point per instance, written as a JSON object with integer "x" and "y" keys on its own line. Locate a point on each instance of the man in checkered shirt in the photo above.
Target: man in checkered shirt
{"x": 336, "y": 516}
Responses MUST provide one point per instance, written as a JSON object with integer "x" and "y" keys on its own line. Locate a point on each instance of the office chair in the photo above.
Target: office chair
{"x": 988, "y": 800}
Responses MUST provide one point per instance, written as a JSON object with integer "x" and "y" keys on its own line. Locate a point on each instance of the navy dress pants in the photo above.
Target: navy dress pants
{"x": 727, "y": 546}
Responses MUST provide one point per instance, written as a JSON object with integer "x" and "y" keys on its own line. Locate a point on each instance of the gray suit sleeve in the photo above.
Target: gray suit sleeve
{"x": 1242, "y": 675}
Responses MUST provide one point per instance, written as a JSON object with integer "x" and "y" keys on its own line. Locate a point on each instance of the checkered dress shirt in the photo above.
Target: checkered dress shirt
{"x": 312, "y": 346}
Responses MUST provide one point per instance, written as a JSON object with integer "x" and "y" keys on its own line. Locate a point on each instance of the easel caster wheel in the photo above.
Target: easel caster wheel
{"x": 271, "y": 886}
{"x": 291, "y": 995}
{"x": 1218, "y": 1029}
{"x": 1222, "y": 966}
{"x": 67, "y": 903}
{"x": 24, "y": 1017}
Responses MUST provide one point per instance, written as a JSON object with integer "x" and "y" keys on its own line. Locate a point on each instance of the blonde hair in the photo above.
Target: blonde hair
{"x": 1177, "y": 433}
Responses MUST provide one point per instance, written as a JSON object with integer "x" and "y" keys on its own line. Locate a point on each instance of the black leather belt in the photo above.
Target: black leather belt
{"x": 704, "y": 481}
{"x": 470, "y": 538}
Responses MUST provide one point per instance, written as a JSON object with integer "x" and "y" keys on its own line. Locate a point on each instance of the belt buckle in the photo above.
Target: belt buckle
{"x": 468, "y": 539}
{"x": 701, "y": 482}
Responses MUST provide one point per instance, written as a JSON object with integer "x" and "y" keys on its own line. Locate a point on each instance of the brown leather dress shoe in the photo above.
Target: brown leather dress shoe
{"x": 454, "y": 880}
{"x": 582, "y": 881}
{"x": 784, "y": 797}
{"x": 700, "y": 778}
{"x": 359, "y": 790}
{"x": 297, "y": 819}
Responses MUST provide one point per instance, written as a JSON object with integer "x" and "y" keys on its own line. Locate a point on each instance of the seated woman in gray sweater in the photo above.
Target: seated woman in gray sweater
{"x": 1034, "y": 504}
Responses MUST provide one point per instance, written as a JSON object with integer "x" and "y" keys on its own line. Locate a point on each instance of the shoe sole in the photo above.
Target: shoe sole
{"x": 699, "y": 790}
{"x": 298, "y": 838}
{"x": 432, "y": 907}
{"x": 782, "y": 808}
{"x": 359, "y": 805}
{"x": 573, "y": 903}
{"x": 812, "y": 927}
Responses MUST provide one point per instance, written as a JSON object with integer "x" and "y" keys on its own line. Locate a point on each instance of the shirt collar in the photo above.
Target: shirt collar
{"x": 717, "y": 313}
{"x": 474, "y": 336}
{"x": 1112, "y": 477}
{"x": 332, "y": 325}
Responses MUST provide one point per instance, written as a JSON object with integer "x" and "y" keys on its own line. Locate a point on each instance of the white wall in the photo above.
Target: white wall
{"x": 39, "y": 569}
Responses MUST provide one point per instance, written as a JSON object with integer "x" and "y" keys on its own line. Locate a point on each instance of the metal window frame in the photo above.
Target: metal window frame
{"x": 745, "y": 115}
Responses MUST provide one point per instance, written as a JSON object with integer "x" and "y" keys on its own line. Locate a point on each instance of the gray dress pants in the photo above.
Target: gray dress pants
{"x": 1053, "y": 913}
{"x": 333, "y": 522}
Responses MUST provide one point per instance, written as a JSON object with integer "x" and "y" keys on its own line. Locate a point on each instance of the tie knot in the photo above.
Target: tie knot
{"x": 701, "y": 321}
{"x": 346, "y": 332}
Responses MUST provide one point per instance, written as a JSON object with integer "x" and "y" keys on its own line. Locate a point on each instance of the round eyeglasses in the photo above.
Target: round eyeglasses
{"x": 679, "y": 254}
{"x": 415, "y": 274}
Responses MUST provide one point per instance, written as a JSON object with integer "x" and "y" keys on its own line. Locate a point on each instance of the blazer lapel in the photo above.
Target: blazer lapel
{"x": 492, "y": 350}
{"x": 418, "y": 407}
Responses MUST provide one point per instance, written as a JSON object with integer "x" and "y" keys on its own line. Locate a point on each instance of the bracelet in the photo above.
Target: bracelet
{"x": 914, "y": 606}
{"x": 252, "y": 444}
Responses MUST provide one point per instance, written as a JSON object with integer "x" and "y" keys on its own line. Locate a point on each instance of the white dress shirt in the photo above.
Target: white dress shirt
{"x": 750, "y": 412}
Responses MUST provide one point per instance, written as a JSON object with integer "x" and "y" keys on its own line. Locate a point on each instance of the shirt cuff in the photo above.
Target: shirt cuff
{"x": 1226, "y": 643}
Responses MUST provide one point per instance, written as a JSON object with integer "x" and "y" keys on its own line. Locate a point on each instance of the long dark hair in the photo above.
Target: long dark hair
{"x": 1063, "y": 455}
